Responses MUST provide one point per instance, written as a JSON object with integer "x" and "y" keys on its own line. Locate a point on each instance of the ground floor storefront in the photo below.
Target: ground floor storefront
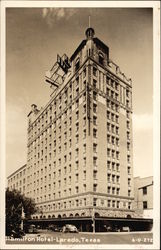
{"x": 97, "y": 224}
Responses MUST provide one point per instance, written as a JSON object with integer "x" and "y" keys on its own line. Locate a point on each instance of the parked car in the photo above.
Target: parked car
{"x": 68, "y": 228}
{"x": 125, "y": 229}
{"x": 55, "y": 228}
{"x": 32, "y": 229}
{"x": 17, "y": 234}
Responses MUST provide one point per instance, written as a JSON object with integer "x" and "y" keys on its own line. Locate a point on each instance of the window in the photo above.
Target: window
{"x": 118, "y": 191}
{"x": 117, "y": 155}
{"x": 94, "y": 96}
{"x": 70, "y": 168}
{"x": 113, "y": 178}
{"x": 84, "y": 72}
{"x": 101, "y": 59}
{"x": 95, "y": 175}
{"x": 94, "y": 133}
{"x": 129, "y": 182}
{"x": 70, "y": 156}
{"x": 77, "y": 152}
{"x": 145, "y": 204}
{"x": 84, "y": 133}
{"x": 77, "y": 190}
{"x": 108, "y": 152}
{"x": 127, "y": 92}
{"x": 94, "y": 202}
{"x": 113, "y": 203}
{"x": 113, "y": 166}
{"x": 112, "y": 83}
{"x": 128, "y": 124}
{"x": 118, "y": 204}
{"x": 95, "y": 161}
{"x": 108, "y": 164}
{"x": 108, "y": 115}
{"x": 144, "y": 190}
{"x": 108, "y": 104}
{"x": 117, "y": 130}
{"x": 94, "y": 83}
{"x": 129, "y": 205}
{"x": 94, "y": 108}
{"x": 94, "y": 71}
{"x": 94, "y": 120}
{"x": 94, "y": 187}
{"x": 77, "y": 127}
{"x": 84, "y": 148}
{"x": 77, "y": 138}
{"x": 84, "y": 173}
{"x": 95, "y": 148}
{"x": 77, "y": 64}
{"x": 108, "y": 138}
{"x": 77, "y": 177}
{"x": 127, "y": 103}
{"x": 84, "y": 161}
{"x": 108, "y": 127}
{"x": 109, "y": 203}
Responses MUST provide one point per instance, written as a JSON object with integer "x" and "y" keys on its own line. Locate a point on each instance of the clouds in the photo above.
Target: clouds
{"x": 142, "y": 122}
{"x": 51, "y": 15}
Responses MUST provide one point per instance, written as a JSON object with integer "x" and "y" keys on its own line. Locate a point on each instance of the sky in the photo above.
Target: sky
{"x": 34, "y": 37}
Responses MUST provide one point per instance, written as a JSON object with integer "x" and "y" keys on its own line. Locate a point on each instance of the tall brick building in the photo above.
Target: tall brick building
{"x": 79, "y": 160}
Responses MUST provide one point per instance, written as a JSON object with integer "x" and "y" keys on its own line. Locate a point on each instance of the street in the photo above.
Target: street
{"x": 49, "y": 237}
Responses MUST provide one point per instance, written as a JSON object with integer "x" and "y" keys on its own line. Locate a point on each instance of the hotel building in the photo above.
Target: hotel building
{"x": 79, "y": 160}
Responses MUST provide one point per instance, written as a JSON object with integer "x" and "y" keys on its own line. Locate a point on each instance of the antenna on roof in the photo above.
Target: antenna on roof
{"x": 89, "y": 21}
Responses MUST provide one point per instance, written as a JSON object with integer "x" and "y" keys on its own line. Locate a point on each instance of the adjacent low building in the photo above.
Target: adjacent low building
{"x": 143, "y": 196}
{"x": 18, "y": 179}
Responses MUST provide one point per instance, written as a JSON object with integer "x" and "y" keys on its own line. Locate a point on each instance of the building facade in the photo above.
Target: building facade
{"x": 17, "y": 180}
{"x": 143, "y": 196}
{"x": 79, "y": 160}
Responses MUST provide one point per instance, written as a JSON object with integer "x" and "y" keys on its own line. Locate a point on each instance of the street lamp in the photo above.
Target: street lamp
{"x": 92, "y": 212}
{"x": 22, "y": 217}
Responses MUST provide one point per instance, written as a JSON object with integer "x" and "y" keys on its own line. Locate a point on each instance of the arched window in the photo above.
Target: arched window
{"x": 97, "y": 215}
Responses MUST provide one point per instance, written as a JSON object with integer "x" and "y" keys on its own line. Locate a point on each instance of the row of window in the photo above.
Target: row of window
{"x": 17, "y": 176}
{"x": 83, "y": 202}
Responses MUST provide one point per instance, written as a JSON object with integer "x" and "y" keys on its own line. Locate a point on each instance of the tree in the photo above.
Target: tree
{"x": 15, "y": 204}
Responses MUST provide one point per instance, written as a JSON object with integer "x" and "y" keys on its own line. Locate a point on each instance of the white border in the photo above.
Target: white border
{"x": 156, "y": 114}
